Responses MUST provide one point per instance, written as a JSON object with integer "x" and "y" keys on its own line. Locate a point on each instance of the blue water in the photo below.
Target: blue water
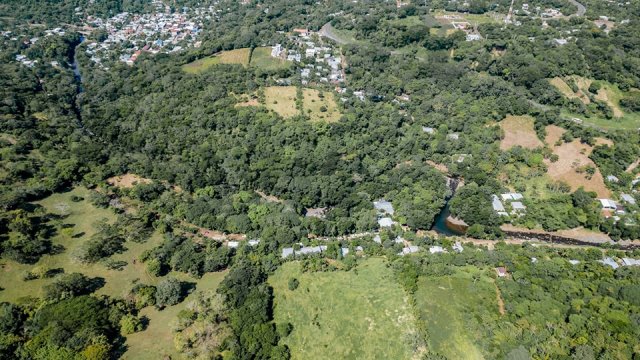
{"x": 440, "y": 224}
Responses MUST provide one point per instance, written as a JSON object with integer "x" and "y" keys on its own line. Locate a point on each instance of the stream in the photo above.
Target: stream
{"x": 440, "y": 223}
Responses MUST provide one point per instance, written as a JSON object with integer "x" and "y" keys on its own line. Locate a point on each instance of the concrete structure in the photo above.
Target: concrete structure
{"x": 383, "y": 206}
{"x": 436, "y": 249}
{"x": 609, "y": 262}
{"x": 628, "y": 198}
{"x": 385, "y": 222}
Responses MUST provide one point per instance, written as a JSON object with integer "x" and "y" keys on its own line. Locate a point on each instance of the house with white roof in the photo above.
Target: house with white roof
{"x": 436, "y": 249}
{"x": 608, "y": 204}
{"x": 628, "y": 198}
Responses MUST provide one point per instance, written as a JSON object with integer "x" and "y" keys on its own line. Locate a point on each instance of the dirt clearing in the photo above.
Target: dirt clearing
{"x": 127, "y": 181}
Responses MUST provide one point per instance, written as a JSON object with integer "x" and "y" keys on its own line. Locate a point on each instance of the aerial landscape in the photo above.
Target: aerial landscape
{"x": 338, "y": 179}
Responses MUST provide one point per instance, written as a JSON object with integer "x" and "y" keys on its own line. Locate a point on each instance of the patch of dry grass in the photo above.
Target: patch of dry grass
{"x": 127, "y": 181}
{"x": 282, "y": 100}
{"x": 320, "y": 106}
{"x": 519, "y": 130}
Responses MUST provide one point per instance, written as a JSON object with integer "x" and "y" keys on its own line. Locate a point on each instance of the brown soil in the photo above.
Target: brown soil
{"x": 269, "y": 198}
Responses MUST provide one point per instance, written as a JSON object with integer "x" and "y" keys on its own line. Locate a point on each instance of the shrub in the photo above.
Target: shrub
{"x": 293, "y": 284}
{"x": 130, "y": 324}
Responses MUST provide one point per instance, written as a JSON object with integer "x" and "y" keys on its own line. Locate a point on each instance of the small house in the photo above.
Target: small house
{"x": 429, "y": 130}
{"x": 609, "y": 262}
{"x": 233, "y": 244}
{"x": 511, "y": 196}
{"x": 628, "y": 198}
{"x": 383, "y": 206}
{"x": 436, "y": 249}
{"x": 630, "y": 262}
{"x": 457, "y": 247}
{"x": 612, "y": 178}
{"x": 385, "y": 222}
{"x": 574, "y": 262}
{"x": 286, "y": 252}
{"x": 409, "y": 250}
{"x": 501, "y": 271}
{"x": 608, "y": 204}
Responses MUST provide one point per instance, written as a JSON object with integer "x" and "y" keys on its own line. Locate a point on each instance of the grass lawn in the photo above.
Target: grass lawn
{"x": 359, "y": 314}
{"x": 453, "y": 309}
{"x": 237, "y": 56}
{"x": 156, "y": 341}
{"x": 83, "y": 215}
{"x": 314, "y": 105}
{"x": 261, "y": 58}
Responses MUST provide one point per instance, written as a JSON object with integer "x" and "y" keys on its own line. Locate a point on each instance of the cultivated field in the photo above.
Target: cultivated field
{"x": 320, "y": 108}
{"x": 453, "y": 308}
{"x": 519, "y": 130}
{"x": 573, "y": 158}
{"x": 359, "y": 314}
{"x": 237, "y": 56}
{"x": 261, "y": 58}
{"x": 156, "y": 341}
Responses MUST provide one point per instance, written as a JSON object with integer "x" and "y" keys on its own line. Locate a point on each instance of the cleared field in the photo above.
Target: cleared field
{"x": 572, "y": 157}
{"x": 282, "y": 100}
{"x": 237, "y": 56}
{"x": 360, "y": 314}
{"x": 453, "y": 308}
{"x": 83, "y": 215}
{"x": 609, "y": 93}
{"x": 156, "y": 341}
{"x": 261, "y": 58}
{"x": 320, "y": 108}
{"x": 519, "y": 130}
{"x": 318, "y": 105}
{"x": 566, "y": 90}
{"x": 128, "y": 180}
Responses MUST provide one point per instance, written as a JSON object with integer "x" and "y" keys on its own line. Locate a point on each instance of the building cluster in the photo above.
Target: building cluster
{"x": 318, "y": 62}
{"x": 514, "y": 205}
{"x": 163, "y": 31}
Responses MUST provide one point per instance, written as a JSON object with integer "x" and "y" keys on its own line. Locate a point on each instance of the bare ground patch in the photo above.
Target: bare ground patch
{"x": 554, "y": 133}
{"x": 127, "y": 181}
{"x": 573, "y": 160}
{"x": 566, "y": 90}
{"x": 519, "y": 130}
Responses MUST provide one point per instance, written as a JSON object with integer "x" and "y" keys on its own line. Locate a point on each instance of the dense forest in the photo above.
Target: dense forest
{"x": 431, "y": 113}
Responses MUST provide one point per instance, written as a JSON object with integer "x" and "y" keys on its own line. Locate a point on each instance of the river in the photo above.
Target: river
{"x": 440, "y": 223}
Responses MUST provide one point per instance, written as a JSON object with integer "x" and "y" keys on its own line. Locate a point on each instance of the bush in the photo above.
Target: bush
{"x": 130, "y": 324}
{"x": 168, "y": 292}
{"x": 293, "y": 284}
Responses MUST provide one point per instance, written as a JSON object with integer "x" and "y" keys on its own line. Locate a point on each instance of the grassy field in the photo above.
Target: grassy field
{"x": 282, "y": 100}
{"x": 261, "y": 58}
{"x": 360, "y": 314}
{"x": 609, "y": 93}
{"x": 518, "y": 130}
{"x": 83, "y": 215}
{"x": 452, "y": 307}
{"x": 237, "y": 56}
{"x": 156, "y": 341}
{"x": 314, "y": 105}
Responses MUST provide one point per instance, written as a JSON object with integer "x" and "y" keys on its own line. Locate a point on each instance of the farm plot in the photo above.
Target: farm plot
{"x": 519, "y": 130}
{"x": 359, "y": 314}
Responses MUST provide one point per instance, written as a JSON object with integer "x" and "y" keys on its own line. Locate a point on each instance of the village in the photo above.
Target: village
{"x": 164, "y": 31}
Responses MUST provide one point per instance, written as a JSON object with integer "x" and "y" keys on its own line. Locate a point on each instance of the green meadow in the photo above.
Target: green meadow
{"x": 357, "y": 314}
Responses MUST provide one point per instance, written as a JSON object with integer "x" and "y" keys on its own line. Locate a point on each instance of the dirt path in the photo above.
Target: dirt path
{"x": 499, "y": 299}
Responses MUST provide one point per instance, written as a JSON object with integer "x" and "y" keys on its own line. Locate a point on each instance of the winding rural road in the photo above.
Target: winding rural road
{"x": 581, "y": 8}
{"x": 328, "y": 32}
